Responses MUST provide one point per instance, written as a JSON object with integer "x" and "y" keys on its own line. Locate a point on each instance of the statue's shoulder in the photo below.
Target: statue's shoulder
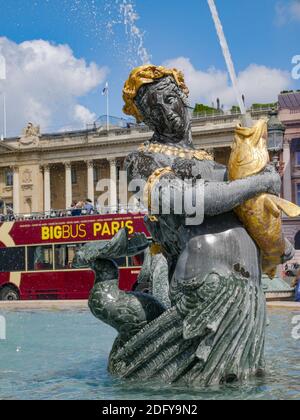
{"x": 141, "y": 163}
{"x": 131, "y": 157}
{"x": 139, "y": 156}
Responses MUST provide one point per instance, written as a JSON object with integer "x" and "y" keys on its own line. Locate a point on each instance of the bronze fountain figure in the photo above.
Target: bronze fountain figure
{"x": 214, "y": 330}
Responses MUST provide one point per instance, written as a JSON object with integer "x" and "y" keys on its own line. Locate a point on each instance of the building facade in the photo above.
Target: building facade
{"x": 289, "y": 115}
{"x": 44, "y": 172}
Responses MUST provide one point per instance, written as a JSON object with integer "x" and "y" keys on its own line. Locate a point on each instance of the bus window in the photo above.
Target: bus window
{"x": 65, "y": 256}
{"x": 136, "y": 261}
{"x": 40, "y": 258}
{"x": 12, "y": 259}
{"x": 121, "y": 262}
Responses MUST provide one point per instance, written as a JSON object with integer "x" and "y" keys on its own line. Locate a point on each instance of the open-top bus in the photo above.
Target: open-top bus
{"x": 36, "y": 256}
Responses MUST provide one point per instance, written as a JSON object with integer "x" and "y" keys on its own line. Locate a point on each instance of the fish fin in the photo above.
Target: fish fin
{"x": 290, "y": 209}
{"x": 272, "y": 206}
{"x": 271, "y": 273}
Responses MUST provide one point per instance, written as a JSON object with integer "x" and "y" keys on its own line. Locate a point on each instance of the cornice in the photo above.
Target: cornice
{"x": 92, "y": 141}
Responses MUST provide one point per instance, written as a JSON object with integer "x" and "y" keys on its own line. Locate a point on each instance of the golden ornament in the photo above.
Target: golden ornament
{"x": 261, "y": 215}
{"x": 180, "y": 152}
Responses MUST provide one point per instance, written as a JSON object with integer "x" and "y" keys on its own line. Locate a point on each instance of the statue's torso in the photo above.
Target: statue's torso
{"x": 220, "y": 244}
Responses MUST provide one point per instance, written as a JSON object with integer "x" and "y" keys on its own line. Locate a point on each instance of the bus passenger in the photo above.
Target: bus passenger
{"x": 296, "y": 284}
{"x": 89, "y": 207}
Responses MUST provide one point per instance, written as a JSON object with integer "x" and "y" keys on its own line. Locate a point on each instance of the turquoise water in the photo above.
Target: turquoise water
{"x": 63, "y": 355}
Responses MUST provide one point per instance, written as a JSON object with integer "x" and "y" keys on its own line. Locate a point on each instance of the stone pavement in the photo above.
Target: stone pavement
{"x": 68, "y": 305}
{"x": 50, "y": 305}
{"x": 293, "y": 306}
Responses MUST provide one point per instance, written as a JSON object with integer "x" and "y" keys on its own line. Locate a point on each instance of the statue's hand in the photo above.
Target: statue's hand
{"x": 271, "y": 180}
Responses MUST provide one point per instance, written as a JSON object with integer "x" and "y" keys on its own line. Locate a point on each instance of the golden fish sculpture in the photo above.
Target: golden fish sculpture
{"x": 261, "y": 215}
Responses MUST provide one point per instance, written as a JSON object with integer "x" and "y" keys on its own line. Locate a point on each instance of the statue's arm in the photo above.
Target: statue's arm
{"x": 222, "y": 197}
{"x": 219, "y": 196}
{"x": 194, "y": 169}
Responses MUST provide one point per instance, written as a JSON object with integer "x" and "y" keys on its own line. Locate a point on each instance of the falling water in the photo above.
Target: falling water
{"x": 133, "y": 32}
{"x": 227, "y": 55}
{"x": 116, "y": 23}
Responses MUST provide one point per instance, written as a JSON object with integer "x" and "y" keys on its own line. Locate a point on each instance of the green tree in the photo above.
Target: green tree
{"x": 204, "y": 109}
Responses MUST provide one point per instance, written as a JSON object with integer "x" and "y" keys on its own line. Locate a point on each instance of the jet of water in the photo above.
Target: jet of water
{"x": 122, "y": 17}
{"x": 227, "y": 55}
{"x": 136, "y": 36}
{"x": 116, "y": 23}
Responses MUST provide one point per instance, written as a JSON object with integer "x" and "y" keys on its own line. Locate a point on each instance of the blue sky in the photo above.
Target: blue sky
{"x": 261, "y": 33}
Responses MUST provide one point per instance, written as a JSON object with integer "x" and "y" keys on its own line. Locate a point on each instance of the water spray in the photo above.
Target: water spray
{"x": 246, "y": 118}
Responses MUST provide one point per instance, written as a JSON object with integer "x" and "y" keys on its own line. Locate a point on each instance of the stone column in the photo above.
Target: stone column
{"x": 90, "y": 180}
{"x": 287, "y": 176}
{"x": 68, "y": 172}
{"x": 47, "y": 189}
{"x": 113, "y": 185}
{"x": 16, "y": 190}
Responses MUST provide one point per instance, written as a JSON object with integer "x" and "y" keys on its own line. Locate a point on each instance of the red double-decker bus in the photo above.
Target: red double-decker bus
{"x": 36, "y": 256}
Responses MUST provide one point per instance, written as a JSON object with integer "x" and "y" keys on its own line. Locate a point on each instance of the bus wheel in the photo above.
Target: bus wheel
{"x": 9, "y": 293}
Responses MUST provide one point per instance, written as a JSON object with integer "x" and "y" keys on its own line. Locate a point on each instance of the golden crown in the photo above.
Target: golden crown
{"x": 143, "y": 75}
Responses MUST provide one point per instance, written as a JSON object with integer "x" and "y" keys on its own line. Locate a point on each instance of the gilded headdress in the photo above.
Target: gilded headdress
{"x": 143, "y": 75}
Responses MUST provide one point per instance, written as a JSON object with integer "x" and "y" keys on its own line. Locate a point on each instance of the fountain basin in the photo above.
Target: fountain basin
{"x": 63, "y": 355}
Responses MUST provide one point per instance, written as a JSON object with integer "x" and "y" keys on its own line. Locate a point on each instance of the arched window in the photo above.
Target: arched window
{"x": 297, "y": 240}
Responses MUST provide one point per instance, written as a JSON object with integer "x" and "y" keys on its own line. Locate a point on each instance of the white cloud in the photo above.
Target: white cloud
{"x": 84, "y": 115}
{"x": 44, "y": 85}
{"x": 295, "y": 10}
{"x": 287, "y": 11}
{"x": 257, "y": 83}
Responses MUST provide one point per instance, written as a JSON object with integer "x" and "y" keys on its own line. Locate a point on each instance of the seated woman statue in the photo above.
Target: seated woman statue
{"x": 215, "y": 330}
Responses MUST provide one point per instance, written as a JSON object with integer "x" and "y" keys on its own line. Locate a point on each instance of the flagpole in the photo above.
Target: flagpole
{"x": 4, "y": 116}
{"x": 107, "y": 107}
{"x": 3, "y": 78}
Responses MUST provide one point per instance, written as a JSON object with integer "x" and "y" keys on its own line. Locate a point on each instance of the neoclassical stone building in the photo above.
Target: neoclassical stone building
{"x": 289, "y": 115}
{"x": 40, "y": 172}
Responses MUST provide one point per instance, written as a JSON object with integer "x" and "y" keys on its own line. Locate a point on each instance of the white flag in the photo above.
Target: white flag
{"x": 105, "y": 90}
{"x": 2, "y": 67}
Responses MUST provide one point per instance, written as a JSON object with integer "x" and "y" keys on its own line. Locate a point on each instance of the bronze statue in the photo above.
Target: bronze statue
{"x": 214, "y": 331}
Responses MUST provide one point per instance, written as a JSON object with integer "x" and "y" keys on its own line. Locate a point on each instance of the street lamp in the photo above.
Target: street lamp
{"x": 276, "y": 132}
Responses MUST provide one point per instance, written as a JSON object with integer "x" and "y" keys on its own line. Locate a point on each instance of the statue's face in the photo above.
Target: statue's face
{"x": 164, "y": 108}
